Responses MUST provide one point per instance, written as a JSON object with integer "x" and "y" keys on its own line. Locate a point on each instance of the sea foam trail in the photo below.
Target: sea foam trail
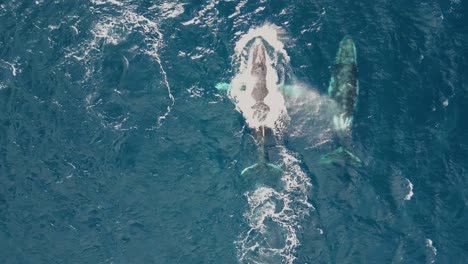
{"x": 274, "y": 213}
{"x": 274, "y": 216}
{"x": 113, "y": 29}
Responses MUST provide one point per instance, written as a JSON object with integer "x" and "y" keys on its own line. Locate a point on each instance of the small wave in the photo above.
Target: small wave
{"x": 13, "y": 66}
{"x": 170, "y": 10}
{"x": 103, "y": 2}
{"x": 410, "y": 193}
{"x": 432, "y": 251}
{"x": 239, "y": 6}
{"x": 206, "y": 16}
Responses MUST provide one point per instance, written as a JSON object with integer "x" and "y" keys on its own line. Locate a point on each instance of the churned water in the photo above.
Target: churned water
{"x": 123, "y": 138}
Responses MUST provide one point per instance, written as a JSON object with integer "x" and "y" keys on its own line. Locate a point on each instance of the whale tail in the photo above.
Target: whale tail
{"x": 341, "y": 156}
{"x": 262, "y": 167}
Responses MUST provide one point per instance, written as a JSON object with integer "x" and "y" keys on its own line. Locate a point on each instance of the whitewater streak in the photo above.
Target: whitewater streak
{"x": 112, "y": 30}
{"x": 273, "y": 215}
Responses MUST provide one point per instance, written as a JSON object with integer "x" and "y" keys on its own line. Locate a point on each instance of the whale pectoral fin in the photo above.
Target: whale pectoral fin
{"x": 261, "y": 167}
{"x": 291, "y": 90}
{"x": 274, "y": 167}
{"x": 341, "y": 156}
{"x": 222, "y": 86}
{"x": 342, "y": 123}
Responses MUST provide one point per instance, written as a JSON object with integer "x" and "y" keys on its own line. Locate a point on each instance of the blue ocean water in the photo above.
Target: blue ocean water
{"x": 116, "y": 147}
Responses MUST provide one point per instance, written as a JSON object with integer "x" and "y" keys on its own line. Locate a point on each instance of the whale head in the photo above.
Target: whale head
{"x": 259, "y": 58}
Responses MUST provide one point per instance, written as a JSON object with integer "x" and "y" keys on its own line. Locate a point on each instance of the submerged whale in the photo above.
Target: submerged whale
{"x": 344, "y": 84}
{"x": 344, "y": 90}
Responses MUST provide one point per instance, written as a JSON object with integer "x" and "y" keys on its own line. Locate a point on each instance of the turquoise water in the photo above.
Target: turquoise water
{"x": 116, "y": 147}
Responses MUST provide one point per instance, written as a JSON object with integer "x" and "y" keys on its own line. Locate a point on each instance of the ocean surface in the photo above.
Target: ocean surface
{"x": 117, "y": 147}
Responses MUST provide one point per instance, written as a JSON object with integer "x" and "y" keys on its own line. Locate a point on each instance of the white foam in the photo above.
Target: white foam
{"x": 243, "y": 83}
{"x": 75, "y": 30}
{"x": 170, "y": 9}
{"x": 112, "y": 30}
{"x": 433, "y": 250}
{"x": 271, "y": 33}
{"x": 204, "y": 16}
{"x": 264, "y": 204}
{"x": 410, "y": 193}
{"x": 13, "y": 69}
{"x": 258, "y": 10}
{"x": 53, "y": 27}
{"x": 13, "y": 66}
{"x": 238, "y": 8}
{"x": 296, "y": 180}
{"x": 103, "y": 2}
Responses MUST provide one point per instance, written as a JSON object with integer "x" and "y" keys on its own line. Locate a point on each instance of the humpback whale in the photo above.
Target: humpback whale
{"x": 253, "y": 96}
{"x": 344, "y": 90}
{"x": 264, "y": 135}
{"x": 344, "y": 84}
{"x": 257, "y": 97}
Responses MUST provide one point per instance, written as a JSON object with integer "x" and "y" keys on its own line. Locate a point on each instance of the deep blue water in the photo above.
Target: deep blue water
{"x": 117, "y": 148}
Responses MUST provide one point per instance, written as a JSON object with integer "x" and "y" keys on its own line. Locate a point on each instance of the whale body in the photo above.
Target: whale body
{"x": 344, "y": 85}
{"x": 264, "y": 135}
{"x": 259, "y": 91}
{"x": 344, "y": 90}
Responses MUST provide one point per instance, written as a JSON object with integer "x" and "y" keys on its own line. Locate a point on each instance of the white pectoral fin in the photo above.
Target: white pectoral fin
{"x": 222, "y": 86}
{"x": 348, "y": 121}
{"x": 341, "y": 155}
{"x": 342, "y": 123}
{"x": 261, "y": 166}
{"x": 291, "y": 90}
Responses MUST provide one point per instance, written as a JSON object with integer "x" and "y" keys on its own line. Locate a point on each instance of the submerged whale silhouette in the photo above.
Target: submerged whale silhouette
{"x": 344, "y": 90}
